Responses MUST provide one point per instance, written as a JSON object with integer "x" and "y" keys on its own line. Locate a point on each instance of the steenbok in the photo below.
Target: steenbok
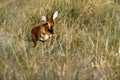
{"x": 44, "y": 32}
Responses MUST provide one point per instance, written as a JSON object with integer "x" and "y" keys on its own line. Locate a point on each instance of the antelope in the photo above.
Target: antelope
{"x": 44, "y": 32}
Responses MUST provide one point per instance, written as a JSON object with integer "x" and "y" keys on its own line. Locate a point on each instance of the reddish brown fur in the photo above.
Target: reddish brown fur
{"x": 41, "y": 31}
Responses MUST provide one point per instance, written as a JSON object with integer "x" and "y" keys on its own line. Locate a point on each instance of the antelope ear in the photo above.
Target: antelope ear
{"x": 55, "y": 14}
{"x": 44, "y": 18}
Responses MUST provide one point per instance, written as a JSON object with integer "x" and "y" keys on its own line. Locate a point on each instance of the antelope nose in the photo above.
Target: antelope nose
{"x": 51, "y": 28}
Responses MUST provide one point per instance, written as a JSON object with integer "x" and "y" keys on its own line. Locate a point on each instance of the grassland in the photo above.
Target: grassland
{"x": 86, "y": 44}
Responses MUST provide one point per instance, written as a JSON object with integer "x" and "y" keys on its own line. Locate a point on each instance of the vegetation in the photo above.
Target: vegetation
{"x": 86, "y": 44}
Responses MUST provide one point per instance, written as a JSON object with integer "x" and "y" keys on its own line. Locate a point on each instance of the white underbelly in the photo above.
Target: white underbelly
{"x": 41, "y": 39}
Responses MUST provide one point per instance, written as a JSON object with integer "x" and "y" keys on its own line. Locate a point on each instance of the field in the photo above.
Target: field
{"x": 86, "y": 44}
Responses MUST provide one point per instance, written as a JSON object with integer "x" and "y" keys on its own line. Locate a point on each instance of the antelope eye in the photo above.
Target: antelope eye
{"x": 46, "y": 23}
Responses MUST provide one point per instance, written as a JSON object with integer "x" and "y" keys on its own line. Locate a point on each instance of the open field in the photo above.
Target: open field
{"x": 86, "y": 44}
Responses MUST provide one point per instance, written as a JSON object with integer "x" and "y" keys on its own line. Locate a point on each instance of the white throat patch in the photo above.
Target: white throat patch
{"x": 46, "y": 37}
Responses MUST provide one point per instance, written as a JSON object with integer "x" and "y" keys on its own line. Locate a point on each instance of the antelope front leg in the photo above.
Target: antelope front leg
{"x": 50, "y": 40}
{"x": 44, "y": 45}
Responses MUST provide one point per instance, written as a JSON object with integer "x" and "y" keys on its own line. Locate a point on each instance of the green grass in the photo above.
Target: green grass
{"x": 86, "y": 44}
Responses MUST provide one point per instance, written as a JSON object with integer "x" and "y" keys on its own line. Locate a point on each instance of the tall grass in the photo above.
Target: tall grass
{"x": 86, "y": 42}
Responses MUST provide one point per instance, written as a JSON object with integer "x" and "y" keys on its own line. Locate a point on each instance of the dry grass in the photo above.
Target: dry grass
{"x": 86, "y": 43}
